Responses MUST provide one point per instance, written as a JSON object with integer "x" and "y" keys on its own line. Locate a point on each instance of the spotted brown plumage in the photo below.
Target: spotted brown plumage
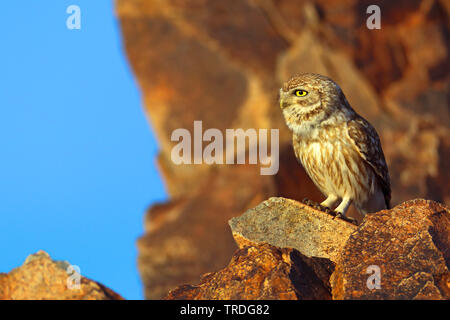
{"x": 339, "y": 149}
{"x": 368, "y": 146}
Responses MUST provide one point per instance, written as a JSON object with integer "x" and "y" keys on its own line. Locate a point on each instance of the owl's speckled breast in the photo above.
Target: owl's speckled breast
{"x": 339, "y": 149}
{"x": 334, "y": 166}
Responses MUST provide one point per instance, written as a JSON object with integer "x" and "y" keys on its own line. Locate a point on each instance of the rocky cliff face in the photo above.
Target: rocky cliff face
{"x": 222, "y": 62}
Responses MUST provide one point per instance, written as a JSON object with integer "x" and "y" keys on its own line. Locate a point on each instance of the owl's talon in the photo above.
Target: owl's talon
{"x": 328, "y": 211}
{"x": 310, "y": 203}
{"x": 345, "y": 218}
{"x": 318, "y": 206}
{"x": 332, "y": 212}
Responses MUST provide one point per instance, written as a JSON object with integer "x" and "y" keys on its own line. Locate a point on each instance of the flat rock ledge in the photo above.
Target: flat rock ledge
{"x": 287, "y": 223}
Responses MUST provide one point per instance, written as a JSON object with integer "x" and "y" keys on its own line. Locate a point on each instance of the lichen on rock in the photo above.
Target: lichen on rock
{"x": 287, "y": 223}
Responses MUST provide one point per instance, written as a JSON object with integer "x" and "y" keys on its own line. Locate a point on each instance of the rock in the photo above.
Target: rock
{"x": 263, "y": 272}
{"x": 410, "y": 246}
{"x": 287, "y": 223}
{"x": 222, "y": 62}
{"x": 41, "y": 278}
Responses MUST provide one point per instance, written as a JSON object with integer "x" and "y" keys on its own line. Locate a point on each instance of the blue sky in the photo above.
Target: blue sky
{"x": 77, "y": 156}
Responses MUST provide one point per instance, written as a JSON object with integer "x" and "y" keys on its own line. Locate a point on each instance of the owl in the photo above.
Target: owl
{"x": 340, "y": 150}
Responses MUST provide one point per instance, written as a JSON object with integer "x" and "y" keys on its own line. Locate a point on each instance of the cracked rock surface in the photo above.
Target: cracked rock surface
{"x": 411, "y": 246}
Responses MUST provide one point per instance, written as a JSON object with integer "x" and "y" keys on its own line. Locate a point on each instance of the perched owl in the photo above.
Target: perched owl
{"x": 339, "y": 149}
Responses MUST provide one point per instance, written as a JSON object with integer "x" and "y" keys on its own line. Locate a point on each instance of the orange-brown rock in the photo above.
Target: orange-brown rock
{"x": 410, "y": 246}
{"x": 263, "y": 272}
{"x": 41, "y": 278}
{"x": 222, "y": 62}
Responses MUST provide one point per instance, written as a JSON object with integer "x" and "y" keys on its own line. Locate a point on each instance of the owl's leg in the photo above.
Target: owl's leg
{"x": 330, "y": 201}
{"x": 318, "y": 206}
{"x": 343, "y": 207}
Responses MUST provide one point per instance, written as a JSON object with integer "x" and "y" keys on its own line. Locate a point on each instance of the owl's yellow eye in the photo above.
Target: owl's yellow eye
{"x": 300, "y": 93}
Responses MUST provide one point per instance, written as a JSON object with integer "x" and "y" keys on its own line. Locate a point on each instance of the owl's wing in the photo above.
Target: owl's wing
{"x": 368, "y": 145}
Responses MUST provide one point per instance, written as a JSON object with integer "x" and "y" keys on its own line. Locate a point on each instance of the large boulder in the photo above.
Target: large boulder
{"x": 409, "y": 246}
{"x": 263, "y": 272}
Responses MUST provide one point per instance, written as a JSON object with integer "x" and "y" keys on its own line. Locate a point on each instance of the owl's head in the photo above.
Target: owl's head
{"x": 308, "y": 99}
